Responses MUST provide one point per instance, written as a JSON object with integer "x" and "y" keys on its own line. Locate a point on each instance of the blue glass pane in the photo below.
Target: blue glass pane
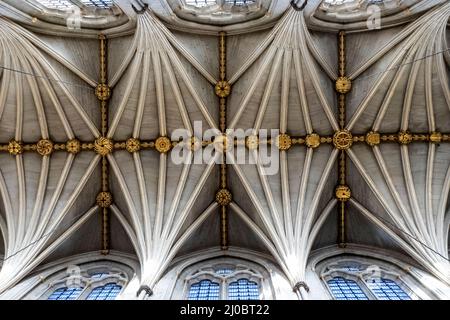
{"x": 385, "y": 289}
{"x": 243, "y": 289}
{"x": 65, "y": 294}
{"x": 107, "y": 292}
{"x": 98, "y": 275}
{"x": 224, "y": 271}
{"x": 204, "y": 290}
{"x": 344, "y": 289}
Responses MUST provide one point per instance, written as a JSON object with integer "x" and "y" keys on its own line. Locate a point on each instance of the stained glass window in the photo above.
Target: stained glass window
{"x": 344, "y": 289}
{"x": 243, "y": 289}
{"x": 107, "y": 292}
{"x": 65, "y": 294}
{"x": 385, "y": 289}
{"x": 204, "y": 290}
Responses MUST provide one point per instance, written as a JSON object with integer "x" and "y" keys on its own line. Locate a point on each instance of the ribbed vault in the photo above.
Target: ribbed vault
{"x": 399, "y": 183}
{"x": 411, "y": 181}
{"x": 39, "y": 190}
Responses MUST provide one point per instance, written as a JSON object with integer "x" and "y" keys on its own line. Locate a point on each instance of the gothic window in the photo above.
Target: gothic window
{"x": 65, "y": 294}
{"x": 385, "y": 289}
{"x": 86, "y": 282}
{"x": 243, "y": 289}
{"x": 224, "y": 281}
{"x": 107, "y": 292}
{"x": 204, "y": 290}
{"x": 350, "y": 280}
{"x": 345, "y": 289}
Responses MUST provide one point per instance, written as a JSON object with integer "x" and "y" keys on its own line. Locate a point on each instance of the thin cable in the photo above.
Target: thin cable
{"x": 43, "y": 77}
{"x": 359, "y": 78}
{"x": 69, "y": 223}
{"x": 379, "y": 73}
{"x": 364, "y": 93}
{"x": 412, "y": 237}
{"x": 403, "y": 64}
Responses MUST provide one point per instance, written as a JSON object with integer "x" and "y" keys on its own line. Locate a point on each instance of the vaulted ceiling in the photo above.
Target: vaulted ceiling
{"x": 162, "y": 70}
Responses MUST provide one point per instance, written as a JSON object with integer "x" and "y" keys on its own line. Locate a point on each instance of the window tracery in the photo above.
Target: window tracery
{"x": 345, "y": 289}
{"x": 351, "y": 280}
{"x": 87, "y": 283}
{"x": 225, "y": 282}
{"x": 65, "y": 293}
{"x": 204, "y": 290}
{"x": 386, "y": 289}
{"x": 108, "y": 291}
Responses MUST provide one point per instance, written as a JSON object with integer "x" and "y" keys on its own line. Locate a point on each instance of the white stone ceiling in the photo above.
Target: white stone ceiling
{"x": 283, "y": 77}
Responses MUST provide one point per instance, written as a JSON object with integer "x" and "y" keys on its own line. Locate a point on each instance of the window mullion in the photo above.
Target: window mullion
{"x": 224, "y": 289}
{"x": 88, "y": 285}
{"x": 363, "y": 284}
